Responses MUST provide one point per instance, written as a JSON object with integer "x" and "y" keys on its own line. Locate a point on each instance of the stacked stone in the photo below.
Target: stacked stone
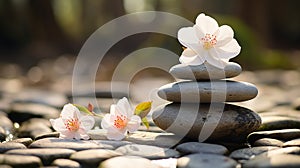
{"x": 199, "y": 108}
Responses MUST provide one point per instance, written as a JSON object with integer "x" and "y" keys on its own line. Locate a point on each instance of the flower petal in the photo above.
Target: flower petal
{"x": 230, "y": 50}
{"x": 206, "y": 24}
{"x": 187, "y": 36}
{"x": 66, "y": 134}
{"x": 213, "y": 59}
{"x": 114, "y": 134}
{"x": 134, "y": 123}
{"x": 68, "y": 111}
{"x": 87, "y": 122}
{"x": 191, "y": 58}
{"x": 224, "y": 35}
{"x": 124, "y": 108}
{"x": 58, "y": 124}
{"x": 106, "y": 123}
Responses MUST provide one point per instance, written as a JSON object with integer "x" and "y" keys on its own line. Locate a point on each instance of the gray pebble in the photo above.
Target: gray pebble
{"x": 24, "y": 141}
{"x": 47, "y": 135}
{"x": 92, "y": 158}
{"x": 46, "y": 155}
{"x": 19, "y": 161}
{"x": 10, "y": 146}
{"x": 65, "y": 163}
{"x": 196, "y": 147}
{"x": 147, "y": 151}
{"x": 284, "y": 134}
{"x": 287, "y": 150}
{"x": 278, "y": 122}
{"x": 294, "y": 142}
{"x": 283, "y": 160}
{"x": 127, "y": 162}
{"x": 268, "y": 142}
{"x": 205, "y": 160}
{"x": 248, "y": 153}
{"x": 34, "y": 127}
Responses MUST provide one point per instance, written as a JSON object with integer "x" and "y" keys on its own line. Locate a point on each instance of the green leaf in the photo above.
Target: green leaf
{"x": 143, "y": 109}
{"x": 145, "y": 122}
{"x": 83, "y": 109}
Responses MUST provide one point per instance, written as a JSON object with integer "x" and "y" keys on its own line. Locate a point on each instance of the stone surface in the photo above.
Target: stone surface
{"x": 19, "y": 161}
{"x": 248, "y": 153}
{"x": 268, "y": 142}
{"x": 147, "y": 151}
{"x": 10, "y": 146}
{"x": 287, "y": 150}
{"x": 205, "y": 71}
{"x": 65, "y": 163}
{"x": 166, "y": 163}
{"x": 165, "y": 140}
{"x": 235, "y": 123}
{"x": 206, "y": 91}
{"x": 77, "y": 145}
{"x": 92, "y": 158}
{"x": 278, "y": 122}
{"x": 127, "y": 162}
{"x": 34, "y": 127}
{"x": 24, "y": 141}
{"x": 47, "y": 135}
{"x": 294, "y": 142}
{"x": 296, "y": 104}
{"x": 196, "y": 147}
{"x": 47, "y": 155}
{"x": 284, "y": 134}
{"x": 6, "y": 123}
{"x": 205, "y": 160}
{"x": 284, "y": 160}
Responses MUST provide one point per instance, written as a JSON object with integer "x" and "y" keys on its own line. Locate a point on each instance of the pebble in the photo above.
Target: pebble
{"x": 234, "y": 122}
{"x": 196, "y": 147}
{"x": 47, "y": 135}
{"x": 65, "y": 163}
{"x": 283, "y": 134}
{"x": 248, "y": 153}
{"x": 165, "y": 140}
{"x": 47, "y": 155}
{"x": 74, "y": 144}
{"x": 287, "y": 150}
{"x": 208, "y": 91}
{"x": 24, "y": 141}
{"x": 294, "y": 142}
{"x": 268, "y": 142}
{"x": 147, "y": 151}
{"x": 166, "y": 163}
{"x": 10, "y": 146}
{"x": 20, "y": 161}
{"x": 205, "y": 160}
{"x": 296, "y": 104}
{"x": 283, "y": 160}
{"x": 34, "y": 127}
{"x": 6, "y": 123}
{"x": 205, "y": 71}
{"x": 21, "y": 112}
{"x": 92, "y": 158}
{"x": 278, "y": 122}
{"x": 127, "y": 162}
{"x": 2, "y": 134}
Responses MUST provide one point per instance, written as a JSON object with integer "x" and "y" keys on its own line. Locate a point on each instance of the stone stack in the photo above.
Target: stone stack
{"x": 199, "y": 108}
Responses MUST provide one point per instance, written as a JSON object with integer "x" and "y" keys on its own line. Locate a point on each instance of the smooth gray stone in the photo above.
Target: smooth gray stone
{"x": 205, "y": 71}
{"x": 287, "y": 150}
{"x": 47, "y": 155}
{"x": 127, "y": 162}
{"x": 6, "y": 123}
{"x": 92, "y": 157}
{"x": 24, "y": 141}
{"x": 65, "y": 163}
{"x": 248, "y": 153}
{"x": 147, "y": 151}
{"x": 268, "y": 142}
{"x": 294, "y": 142}
{"x": 74, "y": 144}
{"x": 196, "y": 147}
{"x": 205, "y": 160}
{"x": 224, "y": 121}
{"x": 47, "y": 135}
{"x": 278, "y": 122}
{"x": 19, "y": 161}
{"x": 34, "y": 127}
{"x": 206, "y": 92}
{"x": 284, "y": 134}
{"x": 10, "y": 146}
{"x": 276, "y": 161}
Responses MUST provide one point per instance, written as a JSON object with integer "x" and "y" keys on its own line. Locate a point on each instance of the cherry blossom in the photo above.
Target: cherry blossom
{"x": 206, "y": 41}
{"x": 72, "y": 124}
{"x": 120, "y": 120}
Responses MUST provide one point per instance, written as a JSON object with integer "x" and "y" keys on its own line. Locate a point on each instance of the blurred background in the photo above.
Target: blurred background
{"x": 40, "y": 40}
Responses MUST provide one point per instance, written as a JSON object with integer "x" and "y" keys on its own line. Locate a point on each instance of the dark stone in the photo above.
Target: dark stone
{"x": 196, "y": 147}
{"x": 284, "y": 134}
{"x": 34, "y": 127}
{"x": 24, "y": 141}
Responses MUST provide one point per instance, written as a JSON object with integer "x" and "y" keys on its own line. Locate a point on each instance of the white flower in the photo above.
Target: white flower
{"x": 72, "y": 124}
{"x": 120, "y": 120}
{"x": 206, "y": 41}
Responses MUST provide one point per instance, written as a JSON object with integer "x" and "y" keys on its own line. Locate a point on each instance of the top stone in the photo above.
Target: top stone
{"x": 205, "y": 71}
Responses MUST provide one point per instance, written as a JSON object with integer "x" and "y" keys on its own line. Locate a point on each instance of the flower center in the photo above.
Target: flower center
{"x": 120, "y": 122}
{"x": 72, "y": 124}
{"x": 209, "y": 41}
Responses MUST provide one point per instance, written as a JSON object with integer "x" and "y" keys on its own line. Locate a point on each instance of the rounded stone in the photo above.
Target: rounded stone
{"x": 206, "y": 92}
{"x": 268, "y": 142}
{"x": 278, "y": 122}
{"x": 65, "y": 163}
{"x": 294, "y": 142}
{"x": 24, "y": 141}
{"x": 205, "y": 160}
{"x": 196, "y": 147}
{"x": 127, "y": 162}
{"x": 248, "y": 153}
{"x": 205, "y": 71}
{"x": 219, "y": 121}
{"x": 10, "y": 146}
{"x": 283, "y": 160}
{"x": 284, "y": 134}
{"x": 287, "y": 150}
{"x": 147, "y": 151}
{"x": 20, "y": 161}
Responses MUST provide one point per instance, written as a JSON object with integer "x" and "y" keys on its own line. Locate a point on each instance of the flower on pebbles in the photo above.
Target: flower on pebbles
{"x": 72, "y": 124}
{"x": 206, "y": 41}
{"x": 120, "y": 120}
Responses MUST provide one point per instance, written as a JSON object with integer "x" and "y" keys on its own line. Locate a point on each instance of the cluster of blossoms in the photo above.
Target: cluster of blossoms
{"x": 72, "y": 123}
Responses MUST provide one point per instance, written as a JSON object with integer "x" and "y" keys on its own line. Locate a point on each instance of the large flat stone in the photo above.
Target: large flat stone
{"x": 206, "y": 92}
{"x": 205, "y": 71}
{"x": 216, "y": 122}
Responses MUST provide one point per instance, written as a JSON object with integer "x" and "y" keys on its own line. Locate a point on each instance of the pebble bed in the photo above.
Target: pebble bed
{"x": 29, "y": 141}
